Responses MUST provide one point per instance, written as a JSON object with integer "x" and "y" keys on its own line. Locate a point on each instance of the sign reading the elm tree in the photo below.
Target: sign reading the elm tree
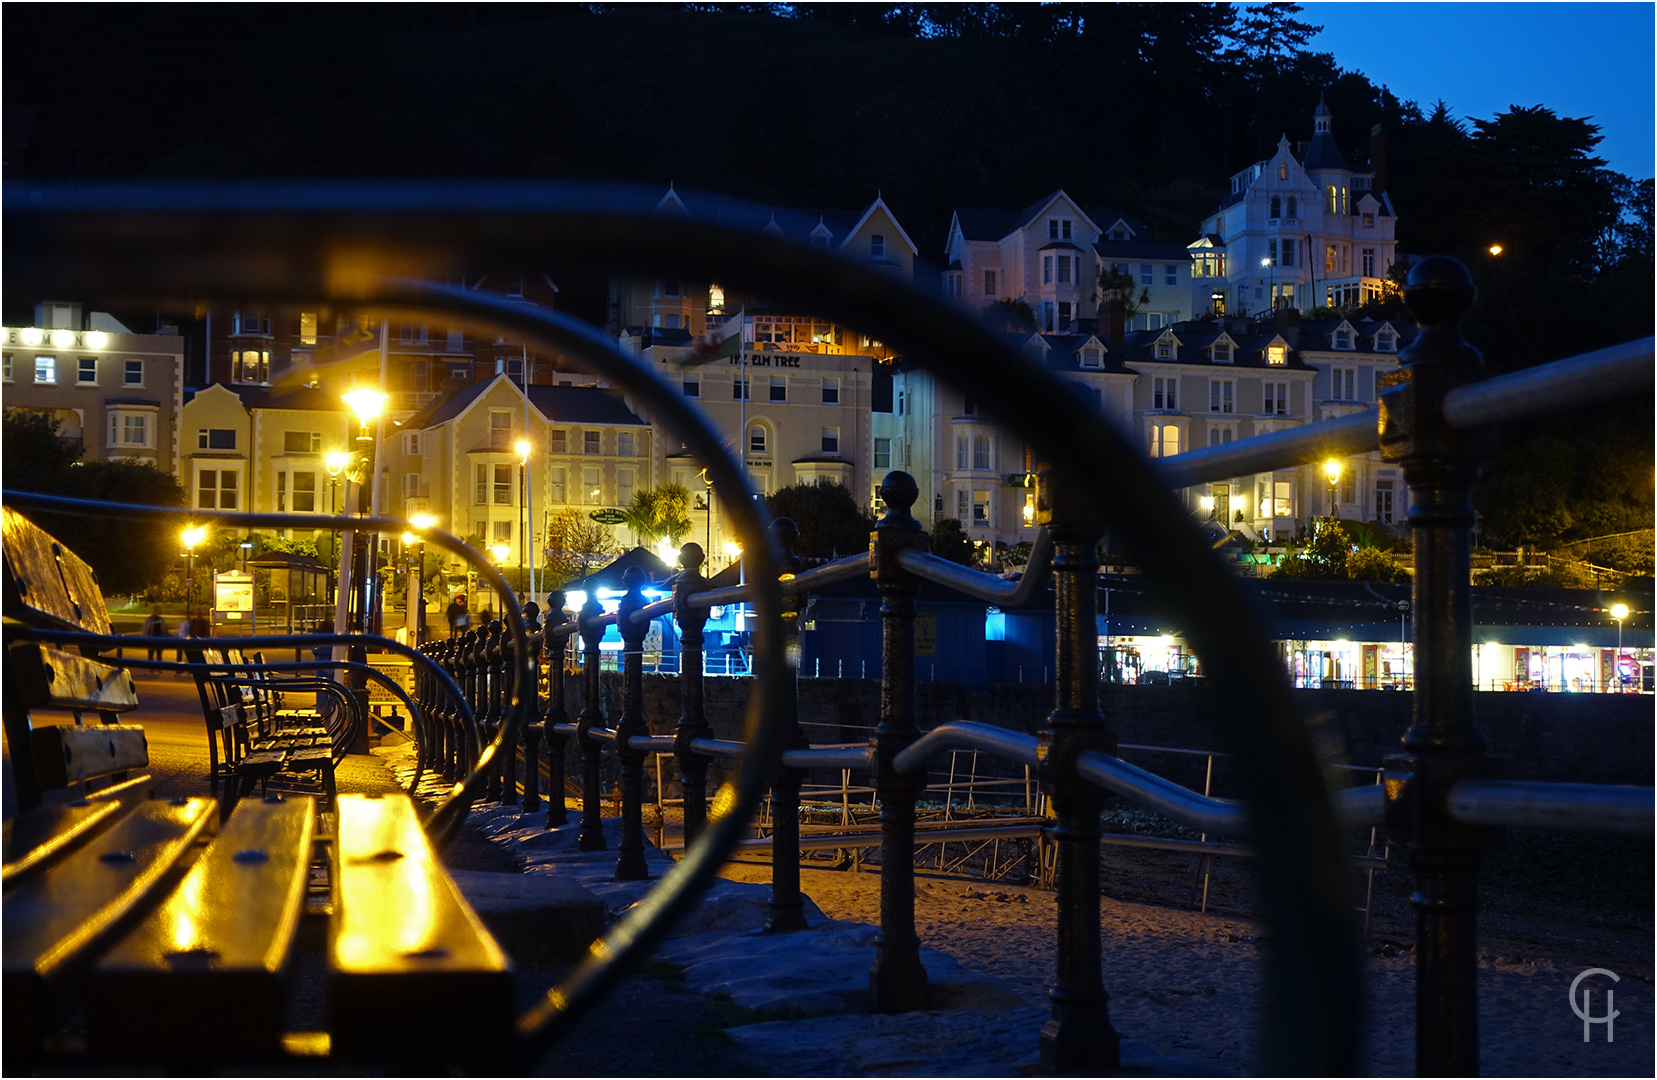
{"x": 608, "y": 516}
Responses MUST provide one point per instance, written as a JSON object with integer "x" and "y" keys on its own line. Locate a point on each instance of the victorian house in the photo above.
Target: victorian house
{"x": 1299, "y": 230}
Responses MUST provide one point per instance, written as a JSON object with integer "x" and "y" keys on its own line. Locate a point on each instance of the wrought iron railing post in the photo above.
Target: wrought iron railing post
{"x": 897, "y": 981}
{"x": 555, "y": 646}
{"x": 787, "y": 905}
{"x": 468, "y": 663}
{"x": 1078, "y": 1037}
{"x": 1442, "y": 745}
{"x": 448, "y": 657}
{"x": 532, "y": 730}
{"x": 506, "y": 662}
{"x": 693, "y": 722}
{"x": 591, "y": 837}
{"x": 491, "y": 665}
{"x": 630, "y": 865}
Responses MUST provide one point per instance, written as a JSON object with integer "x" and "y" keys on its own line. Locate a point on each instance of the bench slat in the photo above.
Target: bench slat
{"x": 69, "y": 754}
{"x": 40, "y": 836}
{"x": 216, "y": 949}
{"x": 49, "y": 579}
{"x": 410, "y": 962}
{"x": 50, "y": 678}
{"x": 56, "y": 919}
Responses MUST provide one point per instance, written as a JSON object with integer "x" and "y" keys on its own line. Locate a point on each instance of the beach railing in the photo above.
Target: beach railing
{"x": 339, "y": 245}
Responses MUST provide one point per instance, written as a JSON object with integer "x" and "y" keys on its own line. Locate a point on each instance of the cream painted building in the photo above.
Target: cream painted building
{"x": 251, "y": 449}
{"x": 116, "y": 392}
{"x": 458, "y": 461}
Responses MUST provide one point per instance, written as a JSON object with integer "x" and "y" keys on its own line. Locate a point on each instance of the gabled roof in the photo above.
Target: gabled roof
{"x": 556, "y": 404}
{"x": 1196, "y": 338}
{"x": 868, "y": 212}
{"x": 976, "y": 224}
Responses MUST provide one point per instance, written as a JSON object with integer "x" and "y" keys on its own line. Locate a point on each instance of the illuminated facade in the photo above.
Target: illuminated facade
{"x": 115, "y": 392}
{"x": 1302, "y": 231}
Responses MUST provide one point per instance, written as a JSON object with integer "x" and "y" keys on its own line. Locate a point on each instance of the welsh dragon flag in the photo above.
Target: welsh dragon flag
{"x": 719, "y": 343}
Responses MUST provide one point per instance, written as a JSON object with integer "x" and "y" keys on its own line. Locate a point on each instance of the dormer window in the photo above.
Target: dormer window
{"x": 1093, "y": 357}
{"x": 1058, "y": 228}
{"x": 1386, "y": 341}
{"x": 1119, "y": 234}
{"x": 1165, "y": 348}
{"x": 819, "y": 241}
{"x": 1282, "y": 172}
{"x": 1035, "y": 349}
{"x": 1222, "y": 352}
{"x": 1343, "y": 338}
{"x": 1277, "y": 355}
{"x": 877, "y": 246}
{"x": 1369, "y": 220}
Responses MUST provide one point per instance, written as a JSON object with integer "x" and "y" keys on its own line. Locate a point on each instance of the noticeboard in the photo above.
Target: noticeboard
{"x": 608, "y": 517}
{"x": 232, "y": 592}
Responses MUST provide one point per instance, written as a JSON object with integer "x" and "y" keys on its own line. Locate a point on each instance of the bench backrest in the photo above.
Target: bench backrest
{"x": 46, "y": 584}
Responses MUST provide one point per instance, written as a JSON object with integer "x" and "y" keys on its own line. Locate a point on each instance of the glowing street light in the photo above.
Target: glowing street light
{"x": 416, "y": 604}
{"x": 366, "y": 403}
{"x": 192, "y": 537}
{"x": 1332, "y": 469}
{"x": 422, "y": 522}
{"x": 1495, "y": 249}
{"x": 1619, "y": 612}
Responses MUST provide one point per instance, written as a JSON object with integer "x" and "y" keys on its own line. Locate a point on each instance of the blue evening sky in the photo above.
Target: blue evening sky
{"x": 1590, "y": 60}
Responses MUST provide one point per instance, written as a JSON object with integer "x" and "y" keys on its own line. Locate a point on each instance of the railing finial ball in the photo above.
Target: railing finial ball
{"x": 691, "y": 557}
{"x": 786, "y": 532}
{"x": 633, "y": 578}
{"x": 1439, "y": 291}
{"x": 899, "y": 492}
{"x": 556, "y": 602}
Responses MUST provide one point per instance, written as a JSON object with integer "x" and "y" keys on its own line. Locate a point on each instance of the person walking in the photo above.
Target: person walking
{"x": 155, "y": 627}
{"x": 199, "y": 626}
{"x": 457, "y": 615}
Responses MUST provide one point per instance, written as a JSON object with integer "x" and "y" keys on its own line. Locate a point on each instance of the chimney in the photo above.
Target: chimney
{"x": 1378, "y": 159}
{"x": 1286, "y": 321}
{"x": 1112, "y": 315}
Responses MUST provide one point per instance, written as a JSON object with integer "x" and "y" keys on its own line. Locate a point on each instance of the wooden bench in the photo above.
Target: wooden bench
{"x": 144, "y": 929}
{"x": 252, "y": 741}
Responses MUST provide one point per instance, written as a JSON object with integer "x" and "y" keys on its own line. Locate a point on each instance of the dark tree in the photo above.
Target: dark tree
{"x": 128, "y": 555}
{"x": 832, "y": 525}
{"x": 950, "y": 541}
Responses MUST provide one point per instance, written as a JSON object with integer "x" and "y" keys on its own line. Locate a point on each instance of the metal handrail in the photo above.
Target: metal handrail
{"x": 982, "y": 586}
{"x": 966, "y": 735}
{"x": 1532, "y": 805}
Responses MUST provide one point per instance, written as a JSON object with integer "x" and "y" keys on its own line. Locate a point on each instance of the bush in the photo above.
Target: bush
{"x": 1373, "y": 564}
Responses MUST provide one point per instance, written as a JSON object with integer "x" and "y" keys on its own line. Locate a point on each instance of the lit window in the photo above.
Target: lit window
{"x": 1164, "y": 440}
{"x": 1165, "y": 349}
{"x": 1282, "y": 172}
{"x": 46, "y": 369}
{"x": 981, "y": 508}
{"x": 86, "y": 371}
{"x": 716, "y": 298}
{"x": 250, "y": 365}
{"x": 1277, "y": 355}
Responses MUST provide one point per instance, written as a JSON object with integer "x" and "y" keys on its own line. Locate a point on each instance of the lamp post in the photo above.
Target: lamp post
{"x": 192, "y": 537}
{"x": 522, "y": 446}
{"x": 1619, "y": 612}
{"x": 1272, "y": 264}
{"x": 366, "y": 403}
{"x": 421, "y": 523}
{"x": 1332, "y": 469}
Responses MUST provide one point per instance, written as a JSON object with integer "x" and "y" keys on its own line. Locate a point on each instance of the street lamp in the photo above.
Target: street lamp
{"x": 421, "y": 523}
{"x": 1619, "y": 612}
{"x": 336, "y": 461}
{"x": 1495, "y": 249}
{"x": 522, "y": 447}
{"x": 1268, "y": 261}
{"x": 192, "y": 537}
{"x": 1332, "y": 469}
